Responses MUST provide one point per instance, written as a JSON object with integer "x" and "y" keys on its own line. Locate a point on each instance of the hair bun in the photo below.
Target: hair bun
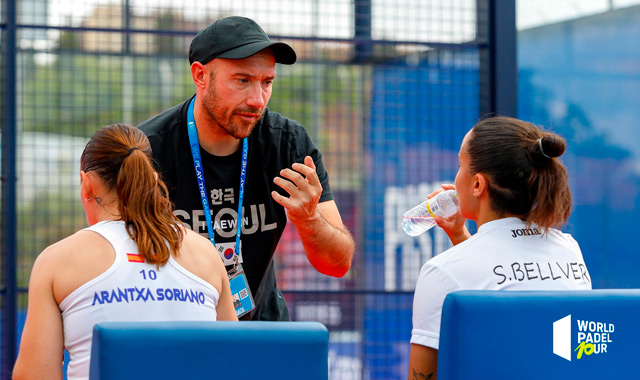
{"x": 550, "y": 146}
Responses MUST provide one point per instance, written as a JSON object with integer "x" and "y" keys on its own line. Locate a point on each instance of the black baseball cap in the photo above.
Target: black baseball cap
{"x": 236, "y": 38}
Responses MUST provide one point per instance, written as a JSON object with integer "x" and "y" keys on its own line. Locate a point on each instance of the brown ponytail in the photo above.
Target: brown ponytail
{"x": 525, "y": 177}
{"x": 121, "y": 156}
{"x": 549, "y": 182}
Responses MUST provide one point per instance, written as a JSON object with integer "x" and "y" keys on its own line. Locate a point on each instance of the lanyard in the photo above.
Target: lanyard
{"x": 197, "y": 163}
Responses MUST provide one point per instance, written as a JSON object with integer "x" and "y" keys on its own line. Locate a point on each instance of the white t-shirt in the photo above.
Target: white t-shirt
{"x": 130, "y": 290}
{"x": 502, "y": 255}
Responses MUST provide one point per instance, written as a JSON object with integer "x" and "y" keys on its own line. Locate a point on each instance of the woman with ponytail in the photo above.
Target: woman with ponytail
{"x": 135, "y": 262}
{"x": 511, "y": 183}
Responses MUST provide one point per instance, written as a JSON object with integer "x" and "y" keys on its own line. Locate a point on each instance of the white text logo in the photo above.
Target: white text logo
{"x": 593, "y": 337}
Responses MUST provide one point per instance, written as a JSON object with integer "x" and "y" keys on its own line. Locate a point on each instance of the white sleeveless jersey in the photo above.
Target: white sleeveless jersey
{"x": 503, "y": 255}
{"x": 130, "y": 290}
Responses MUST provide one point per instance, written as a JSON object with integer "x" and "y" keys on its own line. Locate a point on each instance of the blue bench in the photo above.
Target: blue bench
{"x": 540, "y": 335}
{"x": 209, "y": 350}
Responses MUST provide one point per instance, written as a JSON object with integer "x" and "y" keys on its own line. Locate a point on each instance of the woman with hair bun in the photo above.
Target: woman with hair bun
{"x": 511, "y": 183}
{"x": 135, "y": 262}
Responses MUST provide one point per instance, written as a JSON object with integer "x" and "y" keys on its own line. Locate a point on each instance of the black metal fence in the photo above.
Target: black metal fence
{"x": 386, "y": 89}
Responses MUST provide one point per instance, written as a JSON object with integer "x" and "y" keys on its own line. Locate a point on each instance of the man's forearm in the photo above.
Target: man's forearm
{"x": 329, "y": 249}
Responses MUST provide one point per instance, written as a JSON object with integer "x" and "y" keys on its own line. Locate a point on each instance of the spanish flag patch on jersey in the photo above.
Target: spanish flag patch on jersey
{"x": 135, "y": 258}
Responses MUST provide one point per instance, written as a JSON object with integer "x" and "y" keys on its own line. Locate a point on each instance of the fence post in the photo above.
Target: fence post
{"x": 498, "y": 64}
{"x": 362, "y": 23}
{"x": 9, "y": 210}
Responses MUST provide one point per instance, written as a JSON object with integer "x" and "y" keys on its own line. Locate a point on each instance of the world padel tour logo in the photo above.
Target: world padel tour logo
{"x": 592, "y": 338}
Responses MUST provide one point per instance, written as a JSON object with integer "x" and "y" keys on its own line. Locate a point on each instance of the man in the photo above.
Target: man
{"x": 225, "y": 151}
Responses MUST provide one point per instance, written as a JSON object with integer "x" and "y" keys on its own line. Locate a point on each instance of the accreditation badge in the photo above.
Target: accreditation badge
{"x": 240, "y": 292}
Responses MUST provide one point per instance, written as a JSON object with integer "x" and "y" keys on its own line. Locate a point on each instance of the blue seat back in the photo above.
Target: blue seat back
{"x": 540, "y": 335}
{"x": 209, "y": 350}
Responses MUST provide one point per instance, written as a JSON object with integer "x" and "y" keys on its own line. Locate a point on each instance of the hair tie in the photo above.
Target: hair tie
{"x": 540, "y": 145}
{"x": 131, "y": 150}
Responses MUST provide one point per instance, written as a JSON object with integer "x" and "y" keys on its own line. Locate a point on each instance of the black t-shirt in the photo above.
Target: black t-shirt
{"x": 275, "y": 144}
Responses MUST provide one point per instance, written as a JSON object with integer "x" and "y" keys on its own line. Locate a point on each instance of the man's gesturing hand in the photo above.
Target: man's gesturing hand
{"x": 304, "y": 188}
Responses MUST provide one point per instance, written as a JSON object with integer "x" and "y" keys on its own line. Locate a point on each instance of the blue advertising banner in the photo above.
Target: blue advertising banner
{"x": 581, "y": 78}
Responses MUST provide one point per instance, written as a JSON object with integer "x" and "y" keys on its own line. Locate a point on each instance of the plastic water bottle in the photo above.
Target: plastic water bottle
{"x": 421, "y": 218}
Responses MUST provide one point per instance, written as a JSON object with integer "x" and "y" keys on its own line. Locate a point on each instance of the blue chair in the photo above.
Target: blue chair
{"x": 209, "y": 350}
{"x": 526, "y": 335}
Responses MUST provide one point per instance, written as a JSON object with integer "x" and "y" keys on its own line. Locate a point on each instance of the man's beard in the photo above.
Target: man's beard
{"x": 236, "y": 127}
